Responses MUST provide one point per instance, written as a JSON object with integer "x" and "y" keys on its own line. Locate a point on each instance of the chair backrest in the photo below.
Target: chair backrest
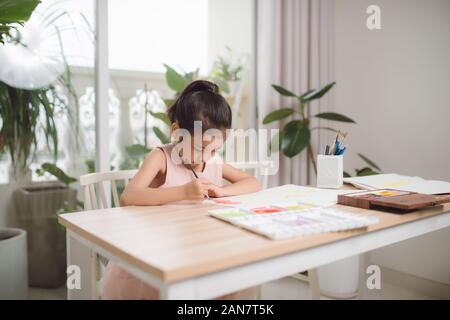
{"x": 260, "y": 169}
{"x": 95, "y": 185}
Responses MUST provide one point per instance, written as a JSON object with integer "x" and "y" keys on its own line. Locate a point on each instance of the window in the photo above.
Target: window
{"x": 144, "y": 34}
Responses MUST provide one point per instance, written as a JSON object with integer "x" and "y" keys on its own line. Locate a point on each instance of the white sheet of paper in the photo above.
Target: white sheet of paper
{"x": 399, "y": 182}
{"x": 285, "y": 194}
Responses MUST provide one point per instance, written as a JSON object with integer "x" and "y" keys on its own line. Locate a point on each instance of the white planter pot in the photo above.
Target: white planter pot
{"x": 13, "y": 264}
{"x": 234, "y": 86}
{"x": 339, "y": 279}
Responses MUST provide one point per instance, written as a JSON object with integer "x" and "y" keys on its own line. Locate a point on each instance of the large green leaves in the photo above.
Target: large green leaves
{"x": 334, "y": 117}
{"x": 161, "y": 116}
{"x": 295, "y": 138}
{"x": 174, "y": 80}
{"x": 21, "y": 111}
{"x": 317, "y": 94}
{"x": 16, "y": 11}
{"x": 137, "y": 150}
{"x": 278, "y": 115}
{"x": 369, "y": 162}
{"x": 366, "y": 171}
{"x": 283, "y": 91}
{"x": 56, "y": 172}
{"x": 161, "y": 136}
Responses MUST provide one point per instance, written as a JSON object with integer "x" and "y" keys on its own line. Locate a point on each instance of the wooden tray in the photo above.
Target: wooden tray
{"x": 392, "y": 200}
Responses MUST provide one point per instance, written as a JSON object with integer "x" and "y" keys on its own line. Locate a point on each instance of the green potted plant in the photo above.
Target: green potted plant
{"x": 227, "y": 70}
{"x": 295, "y": 135}
{"x": 29, "y": 103}
{"x": 13, "y": 242}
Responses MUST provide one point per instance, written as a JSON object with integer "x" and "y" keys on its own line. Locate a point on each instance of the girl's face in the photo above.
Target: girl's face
{"x": 197, "y": 147}
{"x": 205, "y": 148}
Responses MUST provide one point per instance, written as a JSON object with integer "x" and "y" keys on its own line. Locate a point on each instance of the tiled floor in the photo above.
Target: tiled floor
{"x": 286, "y": 288}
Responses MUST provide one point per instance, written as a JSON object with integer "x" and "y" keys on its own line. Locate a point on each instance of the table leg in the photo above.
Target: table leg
{"x": 181, "y": 290}
{"x": 81, "y": 256}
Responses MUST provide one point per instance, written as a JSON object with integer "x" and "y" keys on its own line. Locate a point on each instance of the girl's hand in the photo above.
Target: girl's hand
{"x": 216, "y": 191}
{"x": 196, "y": 189}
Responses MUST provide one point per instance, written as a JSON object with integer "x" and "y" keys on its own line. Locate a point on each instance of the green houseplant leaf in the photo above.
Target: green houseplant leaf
{"x": 369, "y": 162}
{"x": 275, "y": 142}
{"x": 16, "y": 11}
{"x": 283, "y": 91}
{"x": 296, "y": 137}
{"x": 58, "y": 173}
{"x": 168, "y": 102}
{"x": 334, "y": 117}
{"x": 174, "y": 80}
{"x": 316, "y": 94}
{"x": 161, "y": 116}
{"x": 223, "y": 85}
{"x": 190, "y": 76}
{"x": 161, "y": 136}
{"x": 305, "y": 94}
{"x": 277, "y": 115}
{"x": 365, "y": 172}
{"x": 137, "y": 150}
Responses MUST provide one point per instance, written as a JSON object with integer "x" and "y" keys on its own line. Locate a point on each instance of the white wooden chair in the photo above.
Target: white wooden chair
{"x": 95, "y": 197}
{"x": 95, "y": 184}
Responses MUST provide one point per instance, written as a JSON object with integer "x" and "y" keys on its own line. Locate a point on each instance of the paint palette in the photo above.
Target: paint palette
{"x": 284, "y": 222}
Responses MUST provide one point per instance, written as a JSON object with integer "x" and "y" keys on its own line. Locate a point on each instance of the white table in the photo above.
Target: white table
{"x": 190, "y": 255}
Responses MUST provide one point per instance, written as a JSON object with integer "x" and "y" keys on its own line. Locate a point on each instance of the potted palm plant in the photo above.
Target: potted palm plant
{"x": 13, "y": 242}
{"x": 30, "y": 98}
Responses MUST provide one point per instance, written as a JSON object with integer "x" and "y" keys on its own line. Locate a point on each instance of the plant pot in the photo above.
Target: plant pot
{"x": 13, "y": 266}
{"x": 234, "y": 86}
{"x": 340, "y": 279}
{"x": 37, "y": 209}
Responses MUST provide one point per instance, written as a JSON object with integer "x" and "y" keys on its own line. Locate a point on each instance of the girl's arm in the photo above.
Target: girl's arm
{"x": 138, "y": 192}
{"x": 241, "y": 182}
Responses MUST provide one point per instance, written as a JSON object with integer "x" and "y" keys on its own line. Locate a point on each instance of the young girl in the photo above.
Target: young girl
{"x": 188, "y": 169}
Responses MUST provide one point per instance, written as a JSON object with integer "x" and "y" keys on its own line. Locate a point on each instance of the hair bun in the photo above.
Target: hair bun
{"x": 201, "y": 85}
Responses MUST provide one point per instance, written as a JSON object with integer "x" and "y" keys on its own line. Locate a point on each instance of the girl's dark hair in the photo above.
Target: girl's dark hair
{"x": 201, "y": 101}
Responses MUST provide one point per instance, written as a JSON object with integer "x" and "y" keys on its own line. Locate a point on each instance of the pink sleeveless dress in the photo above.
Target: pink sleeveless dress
{"x": 119, "y": 284}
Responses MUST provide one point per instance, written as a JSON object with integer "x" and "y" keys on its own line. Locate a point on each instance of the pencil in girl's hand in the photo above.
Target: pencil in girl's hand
{"x": 196, "y": 177}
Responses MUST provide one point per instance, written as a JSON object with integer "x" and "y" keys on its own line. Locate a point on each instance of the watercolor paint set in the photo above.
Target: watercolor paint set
{"x": 286, "y": 221}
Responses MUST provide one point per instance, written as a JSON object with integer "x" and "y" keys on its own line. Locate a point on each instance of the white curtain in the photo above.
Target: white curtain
{"x": 294, "y": 50}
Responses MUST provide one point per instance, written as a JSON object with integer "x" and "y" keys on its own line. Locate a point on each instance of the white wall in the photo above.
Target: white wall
{"x": 232, "y": 23}
{"x": 395, "y": 83}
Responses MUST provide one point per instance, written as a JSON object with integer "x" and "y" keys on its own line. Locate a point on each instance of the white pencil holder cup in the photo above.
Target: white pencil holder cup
{"x": 330, "y": 171}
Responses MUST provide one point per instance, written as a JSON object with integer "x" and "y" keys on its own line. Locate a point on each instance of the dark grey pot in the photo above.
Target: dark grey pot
{"x": 37, "y": 209}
